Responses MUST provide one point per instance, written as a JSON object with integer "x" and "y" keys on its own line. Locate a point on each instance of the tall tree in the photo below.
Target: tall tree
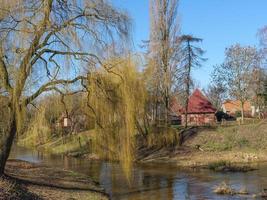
{"x": 191, "y": 57}
{"x": 263, "y": 39}
{"x": 163, "y": 47}
{"x": 256, "y": 88}
{"x": 46, "y": 45}
{"x": 235, "y": 73}
{"x": 259, "y": 80}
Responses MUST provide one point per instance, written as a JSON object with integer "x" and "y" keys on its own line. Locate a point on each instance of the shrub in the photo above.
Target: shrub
{"x": 238, "y": 114}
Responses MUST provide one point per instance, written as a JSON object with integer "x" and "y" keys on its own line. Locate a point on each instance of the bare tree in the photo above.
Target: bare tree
{"x": 236, "y": 72}
{"x": 262, "y": 34}
{"x": 256, "y": 88}
{"x": 216, "y": 93}
{"x": 46, "y": 45}
{"x": 260, "y": 76}
{"x": 163, "y": 47}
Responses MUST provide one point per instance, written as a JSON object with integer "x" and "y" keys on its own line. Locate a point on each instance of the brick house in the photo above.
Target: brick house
{"x": 231, "y": 107}
{"x": 200, "y": 110}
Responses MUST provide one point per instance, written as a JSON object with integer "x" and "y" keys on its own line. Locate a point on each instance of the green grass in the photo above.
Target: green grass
{"x": 74, "y": 143}
{"x": 78, "y": 143}
{"x": 249, "y": 136}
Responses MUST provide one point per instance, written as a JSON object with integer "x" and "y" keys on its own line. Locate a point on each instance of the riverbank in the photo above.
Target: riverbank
{"x": 74, "y": 144}
{"x": 188, "y": 158}
{"x": 25, "y": 180}
{"x": 238, "y": 145}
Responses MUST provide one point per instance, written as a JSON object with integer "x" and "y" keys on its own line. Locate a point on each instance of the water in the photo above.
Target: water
{"x": 152, "y": 181}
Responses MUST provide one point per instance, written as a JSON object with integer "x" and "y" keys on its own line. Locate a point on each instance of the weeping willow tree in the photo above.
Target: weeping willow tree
{"x": 116, "y": 97}
{"x": 45, "y": 46}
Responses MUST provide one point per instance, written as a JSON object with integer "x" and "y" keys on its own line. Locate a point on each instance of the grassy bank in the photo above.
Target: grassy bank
{"x": 76, "y": 144}
{"x": 248, "y": 137}
{"x": 25, "y": 180}
{"x": 237, "y": 145}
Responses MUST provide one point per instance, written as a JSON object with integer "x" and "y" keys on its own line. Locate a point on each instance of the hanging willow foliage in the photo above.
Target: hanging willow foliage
{"x": 116, "y": 97}
{"x": 38, "y": 131}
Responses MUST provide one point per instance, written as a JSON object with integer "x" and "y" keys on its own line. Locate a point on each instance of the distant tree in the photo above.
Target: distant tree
{"x": 216, "y": 93}
{"x": 257, "y": 88}
{"x": 260, "y": 74}
{"x": 163, "y": 50}
{"x": 236, "y": 72}
{"x": 190, "y": 58}
{"x": 262, "y": 34}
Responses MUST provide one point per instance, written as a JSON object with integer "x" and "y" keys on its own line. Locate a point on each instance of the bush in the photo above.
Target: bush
{"x": 238, "y": 114}
{"x": 162, "y": 137}
{"x": 220, "y": 115}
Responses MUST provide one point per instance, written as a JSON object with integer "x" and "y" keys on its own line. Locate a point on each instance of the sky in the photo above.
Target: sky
{"x": 220, "y": 23}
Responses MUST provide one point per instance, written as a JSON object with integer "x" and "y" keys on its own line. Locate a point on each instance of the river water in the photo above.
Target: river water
{"x": 152, "y": 181}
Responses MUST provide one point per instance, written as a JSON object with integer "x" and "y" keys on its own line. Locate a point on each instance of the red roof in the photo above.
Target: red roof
{"x": 198, "y": 103}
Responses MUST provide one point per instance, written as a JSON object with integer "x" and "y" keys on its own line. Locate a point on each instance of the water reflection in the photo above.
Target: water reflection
{"x": 153, "y": 181}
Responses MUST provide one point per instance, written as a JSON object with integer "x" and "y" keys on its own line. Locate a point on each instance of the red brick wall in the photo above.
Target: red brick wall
{"x": 199, "y": 119}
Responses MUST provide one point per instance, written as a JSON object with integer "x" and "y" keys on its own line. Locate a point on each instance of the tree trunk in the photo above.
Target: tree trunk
{"x": 157, "y": 113}
{"x": 167, "y": 107}
{"x": 186, "y": 113}
{"x": 187, "y": 96}
{"x": 6, "y": 143}
{"x": 188, "y": 82}
{"x": 242, "y": 112}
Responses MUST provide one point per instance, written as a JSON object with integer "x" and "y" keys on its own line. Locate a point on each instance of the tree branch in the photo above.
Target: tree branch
{"x": 25, "y": 64}
{"x": 4, "y": 74}
{"x": 51, "y": 86}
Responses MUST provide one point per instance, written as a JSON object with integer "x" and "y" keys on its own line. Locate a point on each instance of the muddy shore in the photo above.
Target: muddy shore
{"x": 25, "y": 180}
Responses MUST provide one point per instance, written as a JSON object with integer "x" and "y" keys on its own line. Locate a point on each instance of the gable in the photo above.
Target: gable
{"x": 198, "y": 103}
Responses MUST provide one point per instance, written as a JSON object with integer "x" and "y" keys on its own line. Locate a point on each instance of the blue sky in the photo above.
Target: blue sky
{"x": 220, "y": 23}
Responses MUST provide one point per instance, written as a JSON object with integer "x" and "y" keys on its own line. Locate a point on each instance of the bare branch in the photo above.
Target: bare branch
{"x": 51, "y": 86}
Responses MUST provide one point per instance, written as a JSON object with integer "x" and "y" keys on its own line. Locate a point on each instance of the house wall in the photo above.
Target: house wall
{"x": 246, "y": 113}
{"x": 231, "y": 107}
{"x": 199, "y": 119}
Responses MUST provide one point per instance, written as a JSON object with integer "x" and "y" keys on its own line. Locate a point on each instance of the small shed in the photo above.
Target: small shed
{"x": 64, "y": 122}
{"x": 200, "y": 110}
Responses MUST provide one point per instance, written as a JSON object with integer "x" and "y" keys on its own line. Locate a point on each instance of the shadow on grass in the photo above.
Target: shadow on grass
{"x": 12, "y": 189}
